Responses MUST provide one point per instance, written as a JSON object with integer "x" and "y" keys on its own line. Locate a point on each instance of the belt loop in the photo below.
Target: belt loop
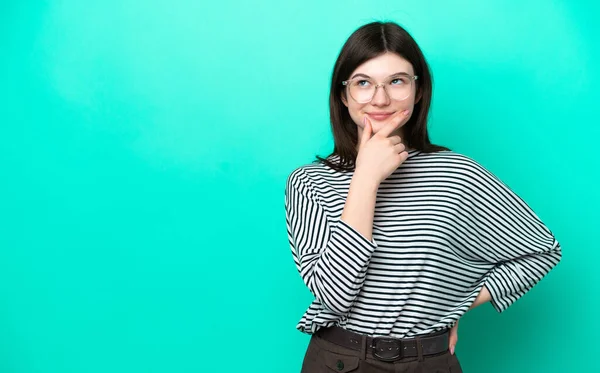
{"x": 363, "y": 348}
{"x": 419, "y": 348}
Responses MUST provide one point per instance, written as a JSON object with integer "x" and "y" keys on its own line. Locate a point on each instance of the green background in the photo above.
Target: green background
{"x": 144, "y": 149}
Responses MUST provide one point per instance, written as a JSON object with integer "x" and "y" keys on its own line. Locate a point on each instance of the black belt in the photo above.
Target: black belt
{"x": 386, "y": 348}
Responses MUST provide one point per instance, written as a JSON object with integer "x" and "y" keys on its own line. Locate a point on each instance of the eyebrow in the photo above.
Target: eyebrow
{"x": 366, "y": 76}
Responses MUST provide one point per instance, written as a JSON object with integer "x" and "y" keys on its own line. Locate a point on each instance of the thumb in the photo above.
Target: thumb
{"x": 367, "y": 131}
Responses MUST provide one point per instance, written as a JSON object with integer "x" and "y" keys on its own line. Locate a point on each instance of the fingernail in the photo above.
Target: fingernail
{"x": 452, "y": 350}
{"x": 405, "y": 112}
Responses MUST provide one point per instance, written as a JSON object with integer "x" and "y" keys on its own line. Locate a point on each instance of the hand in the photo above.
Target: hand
{"x": 380, "y": 154}
{"x": 453, "y": 338}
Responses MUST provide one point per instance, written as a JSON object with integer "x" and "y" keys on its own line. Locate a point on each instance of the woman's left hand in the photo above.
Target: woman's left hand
{"x": 453, "y": 339}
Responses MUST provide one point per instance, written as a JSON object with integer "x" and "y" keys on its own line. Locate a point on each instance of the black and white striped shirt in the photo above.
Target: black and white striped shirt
{"x": 443, "y": 227}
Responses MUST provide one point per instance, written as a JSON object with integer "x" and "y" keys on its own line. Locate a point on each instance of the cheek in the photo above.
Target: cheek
{"x": 356, "y": 113}
{"x": 409, "y": 104}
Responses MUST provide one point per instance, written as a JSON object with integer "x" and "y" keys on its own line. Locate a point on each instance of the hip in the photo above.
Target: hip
{"x": 336, "y": 349}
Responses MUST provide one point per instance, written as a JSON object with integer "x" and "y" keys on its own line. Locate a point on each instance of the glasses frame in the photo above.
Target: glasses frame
{"x": 346, "y": 83}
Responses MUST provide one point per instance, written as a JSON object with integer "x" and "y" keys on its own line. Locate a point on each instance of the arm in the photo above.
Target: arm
{"x": 360, "y": 205}
{"x": 483, "y": 297}
{"x": 331, "y": 255}
{"x": 507, "y": 233}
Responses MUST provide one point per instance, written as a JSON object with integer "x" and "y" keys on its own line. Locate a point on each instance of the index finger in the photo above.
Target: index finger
{"x": 393, "y": 124}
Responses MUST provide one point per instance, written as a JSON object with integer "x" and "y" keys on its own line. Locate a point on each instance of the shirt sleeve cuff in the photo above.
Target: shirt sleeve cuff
{"x": 356, "y": 235}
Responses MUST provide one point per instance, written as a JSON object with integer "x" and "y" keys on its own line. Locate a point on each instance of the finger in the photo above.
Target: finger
{"x": 367, "y": 131}
{"x": 395, "y": 140}
{"x": 453, "y": 338}
{"x": 393, "y": 124}
{"x": 400, "y": 148}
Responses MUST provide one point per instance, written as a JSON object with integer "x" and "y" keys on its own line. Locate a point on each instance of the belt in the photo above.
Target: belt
{"x": 386, "y": 348}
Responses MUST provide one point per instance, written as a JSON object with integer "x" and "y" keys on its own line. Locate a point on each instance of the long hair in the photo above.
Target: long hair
{"x": 367, "y": 42}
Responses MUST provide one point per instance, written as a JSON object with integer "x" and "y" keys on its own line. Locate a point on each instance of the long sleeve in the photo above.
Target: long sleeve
{"x": 510, "y": 235}
{"x": 331, "y": 256}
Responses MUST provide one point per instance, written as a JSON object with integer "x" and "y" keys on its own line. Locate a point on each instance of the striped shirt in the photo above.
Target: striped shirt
{"x": 443, "y": 227}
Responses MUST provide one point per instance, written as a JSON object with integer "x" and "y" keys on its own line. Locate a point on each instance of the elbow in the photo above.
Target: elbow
{"x": 556, "y": 252}
{"x": 335, "y": 307}
{"x": 336, "y": 300}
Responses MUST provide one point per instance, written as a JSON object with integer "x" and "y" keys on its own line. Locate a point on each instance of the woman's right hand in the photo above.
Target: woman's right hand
{"x": 380, "y": 154}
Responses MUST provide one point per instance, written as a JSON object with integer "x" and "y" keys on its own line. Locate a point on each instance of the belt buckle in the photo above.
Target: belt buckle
{"x": 387, "y": 349}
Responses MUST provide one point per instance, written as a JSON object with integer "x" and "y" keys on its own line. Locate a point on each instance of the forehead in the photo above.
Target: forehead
{"x": 384, "y": 65}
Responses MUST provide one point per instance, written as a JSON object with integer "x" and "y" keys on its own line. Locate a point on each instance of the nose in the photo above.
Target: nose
{"x": 380, "y": 98}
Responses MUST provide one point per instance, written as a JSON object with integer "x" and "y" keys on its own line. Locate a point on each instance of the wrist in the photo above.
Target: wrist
{"x": 365, "y": 181}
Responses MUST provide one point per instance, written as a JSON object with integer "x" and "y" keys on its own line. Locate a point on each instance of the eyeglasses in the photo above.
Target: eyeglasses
{"x": 398, "y": 87}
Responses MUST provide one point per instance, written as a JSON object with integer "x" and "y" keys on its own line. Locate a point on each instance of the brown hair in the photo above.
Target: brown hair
{"x": 367, "y": 42}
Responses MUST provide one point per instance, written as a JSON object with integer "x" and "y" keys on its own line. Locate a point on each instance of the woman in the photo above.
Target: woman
{"x": 398, "y": 238}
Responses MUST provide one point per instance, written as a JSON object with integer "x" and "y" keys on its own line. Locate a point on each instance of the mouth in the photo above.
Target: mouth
{"x": 382, "y": 115}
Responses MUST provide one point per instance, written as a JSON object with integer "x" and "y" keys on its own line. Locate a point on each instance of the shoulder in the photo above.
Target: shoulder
{"x": 466, "y": 173}
{"x": 455, "y": 162}
{"x": 302, "y": 173}
{"x": 306, "y": 177}
{"x": 449, "y": 157}
{"x": 314, "y": 173}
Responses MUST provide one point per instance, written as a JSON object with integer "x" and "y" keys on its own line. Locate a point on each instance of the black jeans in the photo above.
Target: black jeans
{"x": 323, "y": 356}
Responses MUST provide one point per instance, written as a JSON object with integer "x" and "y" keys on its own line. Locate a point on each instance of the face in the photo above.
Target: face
{"x": 381, "y": 107}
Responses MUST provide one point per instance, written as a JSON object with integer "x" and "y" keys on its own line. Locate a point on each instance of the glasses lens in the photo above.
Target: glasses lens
{"x": 362, "y": 90}
{"x": 399, "y": 87}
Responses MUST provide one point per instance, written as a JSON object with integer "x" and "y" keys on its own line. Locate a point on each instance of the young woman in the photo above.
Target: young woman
{"x": 396, "y": 237}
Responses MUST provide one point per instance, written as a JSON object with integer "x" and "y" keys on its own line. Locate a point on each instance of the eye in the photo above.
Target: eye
{"x": 363, "y": 83}
{"x": 399, "y": 81}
